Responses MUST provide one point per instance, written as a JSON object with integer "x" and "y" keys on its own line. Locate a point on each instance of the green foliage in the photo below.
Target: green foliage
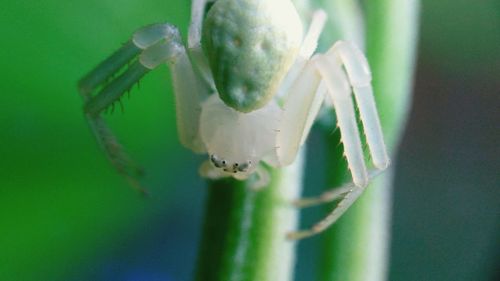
{"x": 61, "y": 204}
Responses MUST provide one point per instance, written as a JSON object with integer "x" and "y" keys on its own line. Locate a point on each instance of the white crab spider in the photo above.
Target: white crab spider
{"x": 248, "y": 90}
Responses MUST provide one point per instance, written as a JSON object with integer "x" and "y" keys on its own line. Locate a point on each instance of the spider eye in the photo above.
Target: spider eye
{"x": 244, "y": 166}
{"x": 217, "y": 163}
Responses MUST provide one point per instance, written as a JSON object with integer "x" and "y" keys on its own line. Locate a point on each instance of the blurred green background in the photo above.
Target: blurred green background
{"x": 66, "y": 215}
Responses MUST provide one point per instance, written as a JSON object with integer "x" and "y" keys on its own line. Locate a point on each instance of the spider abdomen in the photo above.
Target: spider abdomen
{"x": 250, "y": 45}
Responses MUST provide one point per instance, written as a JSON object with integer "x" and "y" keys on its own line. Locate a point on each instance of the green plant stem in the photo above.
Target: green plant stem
{"x": 356, "y": 248}
{"x": 244, "y": 231}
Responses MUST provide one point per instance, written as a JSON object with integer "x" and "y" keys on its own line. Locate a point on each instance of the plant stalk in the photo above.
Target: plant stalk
{"x": 356, "y": 248}
{"x": 244, "y": 232}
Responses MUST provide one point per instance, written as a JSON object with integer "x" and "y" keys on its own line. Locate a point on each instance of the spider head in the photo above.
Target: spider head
{"x": 250, "y": 45}
{"x": 244, "y": 167}
{"x": 235, "y": 141}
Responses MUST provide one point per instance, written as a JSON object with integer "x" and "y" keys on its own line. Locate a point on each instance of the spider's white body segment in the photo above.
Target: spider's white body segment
{"x": 238, "y": 138}
{"x": 248, "y": 89}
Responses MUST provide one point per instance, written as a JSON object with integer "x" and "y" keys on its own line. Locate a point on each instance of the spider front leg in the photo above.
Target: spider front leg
{"x": 338, "y": 84}
{"x": 302, "y": 95}
{"x": 358, "y": 74}
{"x": 149, "y": 47}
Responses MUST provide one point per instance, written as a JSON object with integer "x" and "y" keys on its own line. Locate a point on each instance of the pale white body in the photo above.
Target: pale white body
{"x": 237, "y": 142}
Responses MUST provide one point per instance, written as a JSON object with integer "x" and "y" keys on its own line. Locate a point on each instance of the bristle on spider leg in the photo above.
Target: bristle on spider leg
{"x": 121, "y": 105}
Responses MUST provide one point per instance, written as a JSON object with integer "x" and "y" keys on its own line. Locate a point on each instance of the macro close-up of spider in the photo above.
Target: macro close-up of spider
{"x": 249, "y": 140}
{"x": 247, "y": 95}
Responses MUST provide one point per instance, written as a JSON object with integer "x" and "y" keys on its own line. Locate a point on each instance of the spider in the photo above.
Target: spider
{"x": 248, "y": 88}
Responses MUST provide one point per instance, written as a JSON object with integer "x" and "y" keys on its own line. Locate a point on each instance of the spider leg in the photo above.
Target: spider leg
{"x": 198, "y": 10}
{"x": 263, "y": 178}
{"x": 340, "y": 94}
{"x": 149, "y": 47}
{"x": 308, "y": 47}
{"x": 300, "y": 106}
{"x": 200, "y": 64}
{"x": 339, "y": 88}
{"x": 359, "y": 74}
{"x": 332, "y": 194}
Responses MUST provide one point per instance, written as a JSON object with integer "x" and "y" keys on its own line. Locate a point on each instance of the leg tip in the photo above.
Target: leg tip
{"x": 360, "y": 182}
{"x": 382, "y": 165}
{"x": 297, "y": 235}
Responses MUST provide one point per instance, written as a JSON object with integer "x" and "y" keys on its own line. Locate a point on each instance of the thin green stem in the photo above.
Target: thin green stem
{"x": 356, "y": 248}
{"x": 244, "y": 232}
